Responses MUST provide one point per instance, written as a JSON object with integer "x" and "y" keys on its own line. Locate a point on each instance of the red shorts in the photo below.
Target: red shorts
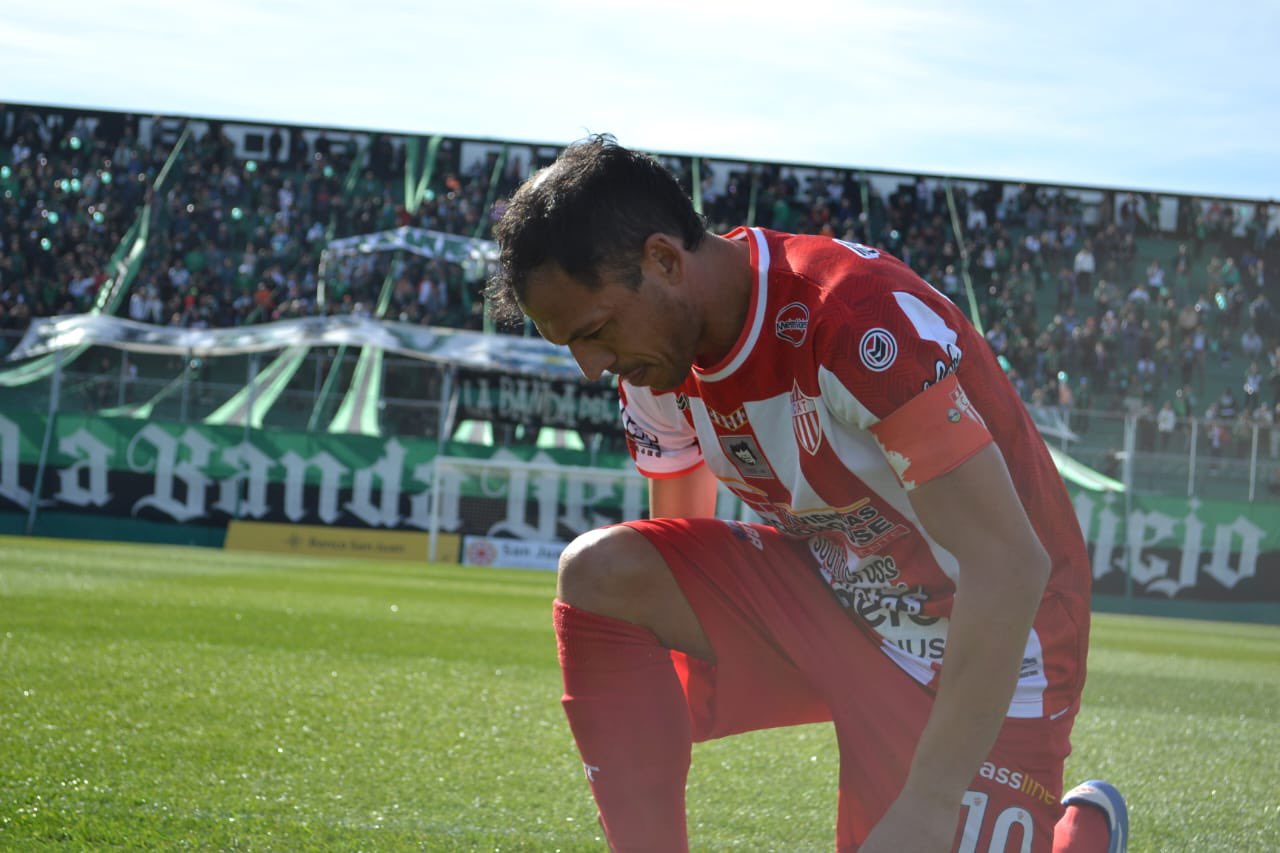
{"x": 786, "y": 653}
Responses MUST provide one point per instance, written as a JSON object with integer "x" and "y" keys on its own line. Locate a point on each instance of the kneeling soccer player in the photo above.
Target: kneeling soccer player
{"x": 922, "y": 582}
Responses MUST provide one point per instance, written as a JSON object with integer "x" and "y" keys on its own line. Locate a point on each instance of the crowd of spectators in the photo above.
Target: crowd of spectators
{"x": 232, "y": 240}
{"x": 1090, "y": 307}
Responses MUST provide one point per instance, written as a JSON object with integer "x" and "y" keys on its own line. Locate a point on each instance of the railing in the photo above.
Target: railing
{"x": 1240, "y": 462}
{"x": 172, "y": 388}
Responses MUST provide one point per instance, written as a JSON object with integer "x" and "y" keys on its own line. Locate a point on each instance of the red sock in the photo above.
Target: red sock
{"x": 1082, "y": 829}
{"x": 631, "y": 722}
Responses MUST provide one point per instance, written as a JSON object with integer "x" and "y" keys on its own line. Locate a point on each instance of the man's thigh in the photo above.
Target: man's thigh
{"x": 785, "y": 651}
{"x": 754, "y": 593}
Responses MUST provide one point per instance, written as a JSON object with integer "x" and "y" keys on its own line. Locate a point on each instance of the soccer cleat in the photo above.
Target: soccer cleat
{"x": 1104, "y": 796}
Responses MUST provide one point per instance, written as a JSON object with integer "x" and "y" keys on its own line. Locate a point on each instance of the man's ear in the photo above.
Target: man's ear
{"x": 665, "y": 256}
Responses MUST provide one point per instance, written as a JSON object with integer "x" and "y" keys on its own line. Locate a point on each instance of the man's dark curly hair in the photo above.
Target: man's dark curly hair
{"x": 589, "y": 212}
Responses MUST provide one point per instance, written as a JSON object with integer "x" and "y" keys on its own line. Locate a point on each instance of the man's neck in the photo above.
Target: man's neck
{"x": 725, "y": 267}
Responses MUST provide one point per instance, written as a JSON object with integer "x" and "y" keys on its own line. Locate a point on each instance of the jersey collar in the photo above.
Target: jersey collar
{"x": 759, "y": 254}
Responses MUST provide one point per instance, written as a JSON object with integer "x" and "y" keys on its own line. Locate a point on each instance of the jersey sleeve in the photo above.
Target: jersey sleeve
{"x": 931, "y": 433}
{"x": 888, "y": 362}
{"x": 661, "y": 440}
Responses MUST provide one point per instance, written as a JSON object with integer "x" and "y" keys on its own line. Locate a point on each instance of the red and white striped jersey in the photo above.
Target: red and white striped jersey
{"x": 854, "y": 381}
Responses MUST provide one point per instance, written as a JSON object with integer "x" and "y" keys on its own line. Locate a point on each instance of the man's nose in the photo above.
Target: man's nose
{"x": 593, "y": 359}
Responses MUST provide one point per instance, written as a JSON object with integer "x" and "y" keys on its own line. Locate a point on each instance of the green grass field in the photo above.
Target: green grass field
{"x": 174, "y": 698}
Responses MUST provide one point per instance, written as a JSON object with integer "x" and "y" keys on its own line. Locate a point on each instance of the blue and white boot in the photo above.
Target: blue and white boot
{"x": 1104, "y": 796}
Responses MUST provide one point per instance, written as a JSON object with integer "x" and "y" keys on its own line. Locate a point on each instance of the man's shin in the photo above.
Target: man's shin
{"x": 630, "y": 719}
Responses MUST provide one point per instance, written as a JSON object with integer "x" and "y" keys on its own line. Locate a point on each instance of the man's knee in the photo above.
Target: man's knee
{"x": 617, "y": 572}
{"x": 611, "y": 572}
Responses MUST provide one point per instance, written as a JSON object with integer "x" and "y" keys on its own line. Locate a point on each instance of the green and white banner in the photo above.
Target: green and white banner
{"x": 206, "y": 475}
{"x": 1180, "y": 547}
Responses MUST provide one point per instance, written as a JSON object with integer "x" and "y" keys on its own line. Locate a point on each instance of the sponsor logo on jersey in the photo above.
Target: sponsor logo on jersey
{"x": 944, "y": 368}
{"x": 878, "y": 349}
{"x": 805, "y": 420}
{"x": 860, "y": 250}
{"x": 792, "y": 323}
{"x": 746, "y": 456}
{"x": 1018, "y": 781}
{"x": 871, "y": 589}
{"x": 892, "y": 607}
{"x": 865, "y": 528}
{"x": 889, "y": 607}
{"x": 878, "y": 571}
{"x": 832, "y": 559}
{"x": 642, "y": 443}
{"x": 733, "y": 421}
{"x": 682, "y": 401}
{"x": 927, "y": 648}
{"x": 746, "y": 533}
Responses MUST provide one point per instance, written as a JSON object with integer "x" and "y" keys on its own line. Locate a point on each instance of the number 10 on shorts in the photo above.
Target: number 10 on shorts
{"x": 975, "y": 806}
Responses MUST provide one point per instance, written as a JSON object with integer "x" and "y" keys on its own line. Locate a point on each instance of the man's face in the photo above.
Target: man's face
{"x": 647, "y": 336}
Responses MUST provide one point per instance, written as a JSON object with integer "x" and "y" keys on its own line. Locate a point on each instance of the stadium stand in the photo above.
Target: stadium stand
{"x": 1101, "y": 302}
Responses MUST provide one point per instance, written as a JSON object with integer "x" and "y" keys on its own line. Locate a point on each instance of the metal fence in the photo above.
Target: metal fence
{"x": 1224, "y": 460}
{"x": 186, "y": 390}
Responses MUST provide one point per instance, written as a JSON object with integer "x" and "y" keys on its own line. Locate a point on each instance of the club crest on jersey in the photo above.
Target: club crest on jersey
{"x": 792, "y": 323}
{"x": 805, "y": 420}
{"x": 877, "y": 349}
{"x": 745, "y": 455}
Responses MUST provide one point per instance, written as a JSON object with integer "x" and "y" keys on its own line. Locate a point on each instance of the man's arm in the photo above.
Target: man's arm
{"x": 974, "y": 512}
{"x": 690, "y": 495}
